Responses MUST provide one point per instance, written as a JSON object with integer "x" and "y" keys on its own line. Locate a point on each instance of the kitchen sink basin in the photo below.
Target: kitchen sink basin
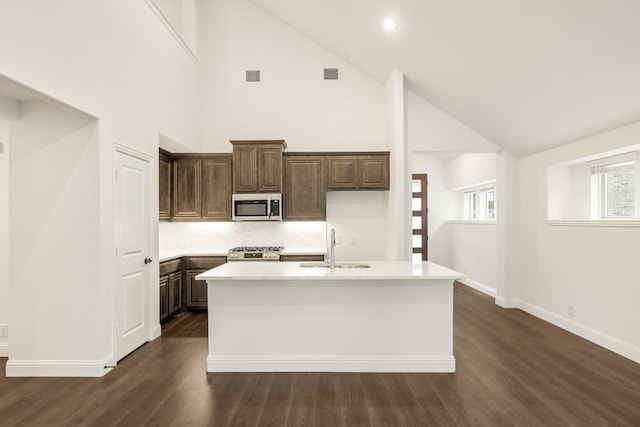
{"x": 338, "y": 265}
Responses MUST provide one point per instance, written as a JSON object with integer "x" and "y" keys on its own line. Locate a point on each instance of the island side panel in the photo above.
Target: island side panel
{"x": 331, "y": 326}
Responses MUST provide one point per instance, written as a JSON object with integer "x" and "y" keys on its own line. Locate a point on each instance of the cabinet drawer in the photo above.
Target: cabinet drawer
{"x": 204, "y": 262}
{"x": 171, "y": 266}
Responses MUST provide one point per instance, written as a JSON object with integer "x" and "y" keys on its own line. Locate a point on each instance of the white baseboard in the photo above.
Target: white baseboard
{"x": 57, "y": 368}
{"x": 607, "y": 341}
{"x": 478, "y": 286}
{"x": 4, "y": 349}
{"x": 330, "y": 364}
{"x": 156, "y": 331}
{"x": 507, "y": 302}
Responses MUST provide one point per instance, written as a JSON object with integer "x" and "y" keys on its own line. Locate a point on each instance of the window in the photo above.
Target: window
{"x": 489, "y": 203}
{"x": 603, "y": 189}
{"x": 470, "y": 205}
{"x": 613, "y": 190}
{"x": 480, "y": 204}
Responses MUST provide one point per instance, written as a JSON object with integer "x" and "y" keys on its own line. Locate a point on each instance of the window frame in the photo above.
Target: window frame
{"x": 599, "y": 172}
{"x": 475, "y": 206}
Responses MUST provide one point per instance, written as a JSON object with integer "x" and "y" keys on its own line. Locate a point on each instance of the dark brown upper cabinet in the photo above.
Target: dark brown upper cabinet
{"x": 216, "y": 187}
{"x": 202, "y": 187}
{"x": 358, "y": 171}
{"x": 187, "y": 189}
{"x": 373, "y": 172}
{"x": 164, "y": 185}
{"x": 342, "y": 172}
{"x": 304, "y": 192}
{"x": 257, "y": 166}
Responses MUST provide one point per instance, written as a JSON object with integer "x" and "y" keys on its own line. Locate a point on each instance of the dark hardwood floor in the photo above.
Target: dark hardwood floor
{"x": 512, "y": 369}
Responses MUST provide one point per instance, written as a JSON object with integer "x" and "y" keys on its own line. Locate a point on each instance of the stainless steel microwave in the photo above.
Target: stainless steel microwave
{"x": 257, "y": 207}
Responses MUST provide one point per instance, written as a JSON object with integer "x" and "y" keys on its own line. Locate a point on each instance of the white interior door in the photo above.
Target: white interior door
{"x": 132, "y": 252}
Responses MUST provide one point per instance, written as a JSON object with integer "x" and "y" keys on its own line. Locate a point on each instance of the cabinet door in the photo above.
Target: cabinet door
{"x": 164, "y": 298}
{"x": 245, "y": 174}
{"x": 269, "y": 169}
{"x": 216, "y": 188}
{"x": 164, "y": 186}
{"x": 342, "y": 172}
{"x": 304, "y": 194}
{"x": 373, "y": 172}
{"x": 196, "y": 290}
{"x": 187, "y": 196}
{"x": 175, "y": 293}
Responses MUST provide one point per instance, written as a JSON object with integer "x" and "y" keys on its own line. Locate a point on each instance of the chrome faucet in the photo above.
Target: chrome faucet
{"x": 332, "y": 259}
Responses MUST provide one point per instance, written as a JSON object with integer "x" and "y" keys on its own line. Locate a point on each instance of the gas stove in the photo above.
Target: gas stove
{"x": 255, "y": 253}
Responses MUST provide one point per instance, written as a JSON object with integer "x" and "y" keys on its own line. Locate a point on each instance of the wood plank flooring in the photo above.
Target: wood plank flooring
{"x": 512, "y": 369}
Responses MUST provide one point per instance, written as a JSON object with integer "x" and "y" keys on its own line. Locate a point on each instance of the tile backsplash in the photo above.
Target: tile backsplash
{"x": 185, "y": 236}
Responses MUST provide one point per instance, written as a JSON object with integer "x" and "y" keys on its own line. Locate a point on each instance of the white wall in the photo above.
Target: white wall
{"x": 432, "y": 134}
{"x": 559, "y": 184}
{"x": 593, "y": 268}
{"x": 4, "y": 232}
{"x": 357, "y": 215}
{"x": 54, "y": 236}
{"x": 471, "y": 169}
{"x": 292, "y": 101}
{"x": 474, "y": 253}
{"x": 399, "y": 197}
{"x": 441, "y": 204}
{"x": 473, "y": 243}
{"x": 430, "y": 129}
{"x": 116, "y": 61}
{"x": 508, "y": 201}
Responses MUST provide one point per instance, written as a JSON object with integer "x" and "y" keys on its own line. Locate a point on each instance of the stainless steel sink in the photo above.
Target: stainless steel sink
{"x": 338, "y": 265}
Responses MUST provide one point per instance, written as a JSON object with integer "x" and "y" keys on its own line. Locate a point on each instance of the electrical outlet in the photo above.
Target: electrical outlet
{"x": 4, "y": 331}
{"x": 570, "y": 310}
{"x": 354, "y": 240}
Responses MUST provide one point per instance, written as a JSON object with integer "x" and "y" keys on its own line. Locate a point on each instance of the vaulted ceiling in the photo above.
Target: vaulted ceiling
{"x": 526, "y": 74}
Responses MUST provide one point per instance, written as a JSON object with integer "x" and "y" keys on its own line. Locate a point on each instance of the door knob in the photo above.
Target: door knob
{"x": 147, "y": 260}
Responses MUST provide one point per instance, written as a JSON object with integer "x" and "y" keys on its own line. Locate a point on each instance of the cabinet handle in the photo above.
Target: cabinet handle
{"x": 147, "y": 260}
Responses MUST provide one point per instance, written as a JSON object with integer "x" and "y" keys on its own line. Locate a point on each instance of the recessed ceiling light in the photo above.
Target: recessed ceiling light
{"x": 389, "y": 23}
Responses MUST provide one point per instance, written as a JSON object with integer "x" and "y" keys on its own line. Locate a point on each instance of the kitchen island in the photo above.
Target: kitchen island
{"x": 394, "y": 316}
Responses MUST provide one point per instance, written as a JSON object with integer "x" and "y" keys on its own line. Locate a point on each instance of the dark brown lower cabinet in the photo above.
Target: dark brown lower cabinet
{"x": 175, "y": 293}
{"x": 196, "y": 290}
{"x": 170, "y": 288}
{"x": 164, "y": 298}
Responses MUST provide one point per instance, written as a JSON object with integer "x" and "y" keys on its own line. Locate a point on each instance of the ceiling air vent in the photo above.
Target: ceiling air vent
{"x": 331, "y": 74}
{"x": 252, "y": 75}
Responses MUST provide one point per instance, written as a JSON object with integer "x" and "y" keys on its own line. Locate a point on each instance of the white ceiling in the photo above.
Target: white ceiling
{"x": 526, "y": 74}
{"x": 12, "y": 90}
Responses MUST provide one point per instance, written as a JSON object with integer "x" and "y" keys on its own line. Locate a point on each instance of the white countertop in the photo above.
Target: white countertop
{"x": 303, "y": 251}
{"x": 168, "y": 255}
{"x": 379, "y": 270}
